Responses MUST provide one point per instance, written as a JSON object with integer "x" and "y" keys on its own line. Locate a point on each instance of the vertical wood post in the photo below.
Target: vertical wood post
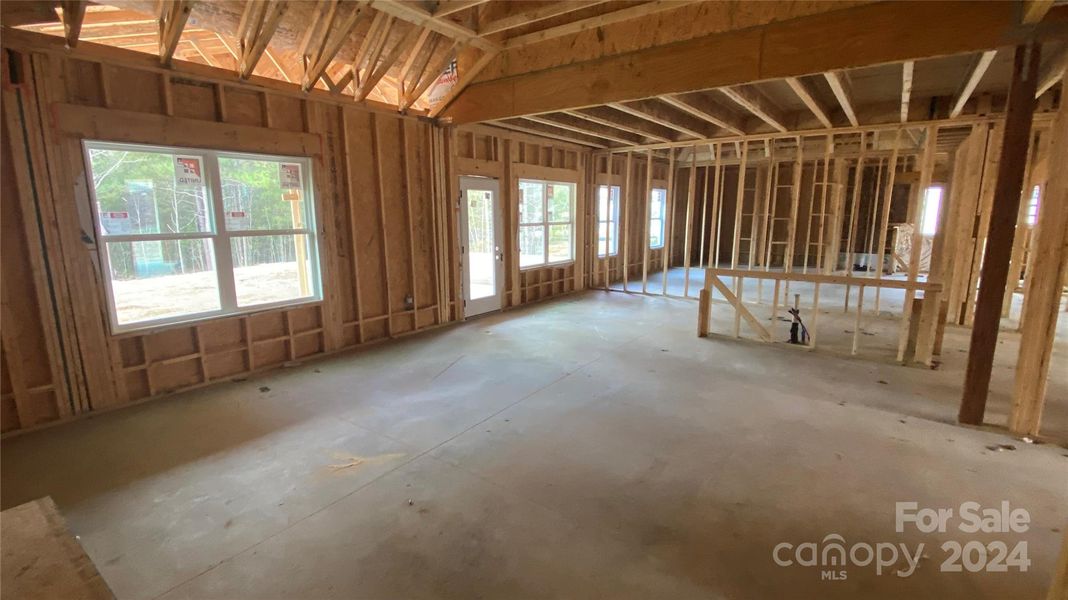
{"x": 1043, "y": 298}
{"x": 1018, "y": 117}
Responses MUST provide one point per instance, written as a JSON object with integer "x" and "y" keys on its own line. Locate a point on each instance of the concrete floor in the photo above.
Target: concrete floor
{"x": 589, "y": 446}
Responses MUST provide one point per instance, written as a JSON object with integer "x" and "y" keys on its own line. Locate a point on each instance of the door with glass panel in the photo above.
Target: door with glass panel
{"x": 480, "y": 242}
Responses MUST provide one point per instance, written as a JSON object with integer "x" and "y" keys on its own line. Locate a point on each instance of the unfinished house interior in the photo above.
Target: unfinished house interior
{"x": 534, "y": 299}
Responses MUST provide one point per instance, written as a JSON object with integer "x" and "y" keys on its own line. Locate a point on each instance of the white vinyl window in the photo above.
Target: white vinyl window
{"x": 657, "y": 213}
{"x": 1032, "y": 206}
{"x": 546, "y": 223}
{"x": 185, "y": 234}
{"x": 607, "y": 220}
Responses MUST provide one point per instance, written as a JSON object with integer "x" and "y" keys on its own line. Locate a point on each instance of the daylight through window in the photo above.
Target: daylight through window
{"x": 607, "y": 220}
{"x": 546, "y": 222}
{"x": 194, "y": 233}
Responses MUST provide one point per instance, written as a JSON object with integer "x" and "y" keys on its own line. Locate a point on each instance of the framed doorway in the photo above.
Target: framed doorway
{"x": 481, "y": 235}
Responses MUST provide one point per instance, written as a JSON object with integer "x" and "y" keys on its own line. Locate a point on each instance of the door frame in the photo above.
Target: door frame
{"x": 475, "y": 307}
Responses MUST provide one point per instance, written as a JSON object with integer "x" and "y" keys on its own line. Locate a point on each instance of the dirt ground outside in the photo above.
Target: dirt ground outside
{"x": 138, "y": 300}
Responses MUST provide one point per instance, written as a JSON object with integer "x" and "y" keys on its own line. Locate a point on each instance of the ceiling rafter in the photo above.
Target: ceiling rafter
{"x": 623, "y": 121}
{"x": 428, "y": 76}
{"x": 329, "y": 47}
{"x": 378, "y": 72}
{"x": 73, "y": 18}
{"x": 700, "y": 106}
{"x": 754, "y": 101}
{"x": 807, "y": 94}
{"x": 413, "y": 55}
{"x": 372, "y": 46}
{"x": 254, "y": 40}
{"x": 843, "y": 91}
{"x": 975, "y": 74}
{"x": 172, "y": 19}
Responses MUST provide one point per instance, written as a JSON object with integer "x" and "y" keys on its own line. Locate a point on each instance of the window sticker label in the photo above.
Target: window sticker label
{"x": 289, "y": 176}
{"x": 188, "y": 171}
{"x": 115, "y": 222}
{"x": 238, "y": 220}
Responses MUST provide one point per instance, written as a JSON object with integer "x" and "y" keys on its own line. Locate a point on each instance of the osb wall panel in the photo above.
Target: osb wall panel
{"x": 508, "y": 157}
{"x": 377, "y": 215}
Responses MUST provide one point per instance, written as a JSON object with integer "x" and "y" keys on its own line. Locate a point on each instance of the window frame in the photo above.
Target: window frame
{"x": 219, "y": 236}
{"x": 613, "y": 223}
{"x": 545, "y": 223}
{"x": 662, "y": 218}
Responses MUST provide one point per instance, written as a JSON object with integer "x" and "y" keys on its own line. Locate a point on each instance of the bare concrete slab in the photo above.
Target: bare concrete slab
{"x": 587, "y": 447}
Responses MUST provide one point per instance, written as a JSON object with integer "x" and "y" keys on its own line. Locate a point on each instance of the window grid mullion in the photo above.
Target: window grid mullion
{"x": 224, "y": 258}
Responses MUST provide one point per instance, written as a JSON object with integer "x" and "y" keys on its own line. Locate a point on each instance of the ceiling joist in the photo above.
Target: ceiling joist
{"x": 751, "y": 99}
{"x": 667, "y": 116}
{"x": 975, "y": 74}
{"x": 843, "y": 91}
{"x": 700, "y": 106}
{"x": 807, "y": 94}
{"x": 579, "y": 125}
{"x": 609, "y": 117}
{"x": 907, "y": 69}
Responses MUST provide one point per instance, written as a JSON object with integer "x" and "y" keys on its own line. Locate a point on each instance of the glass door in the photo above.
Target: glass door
{"x": 483, "y": 255}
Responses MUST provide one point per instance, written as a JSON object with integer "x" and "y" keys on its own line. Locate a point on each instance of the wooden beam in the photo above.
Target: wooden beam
{"x": 613, "y": 118}
{"x": 173, "y": 17}
{"x": 907, "y": 69}
{"x": 537, "y": 13}
{"x": 1053, "y": 70}
{"x": 975, "y": 73}
{"x": 806, "y": 92}
{"x": 253, "y": 49}
{"x": 411, "y": 13}
{"x": 1043, "y": 298}
{"x": 752, "y": 100}
{"x": 580, "y": 125}
{"x": 667, "y": 116}
{"x": 525, "y": 126}
{"x": 838, "y": 39}
{"x": 843, "y": 91}
{"x": 364, "y": 67}
{"x": 702, "y": 107}
{"x": 1006, "y": 204}
{"x": 625, "y": 14}
{"x": 73, "y": 17}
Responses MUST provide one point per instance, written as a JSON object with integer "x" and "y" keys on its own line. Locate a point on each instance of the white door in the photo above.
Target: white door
{"x": 480, "y": 243}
